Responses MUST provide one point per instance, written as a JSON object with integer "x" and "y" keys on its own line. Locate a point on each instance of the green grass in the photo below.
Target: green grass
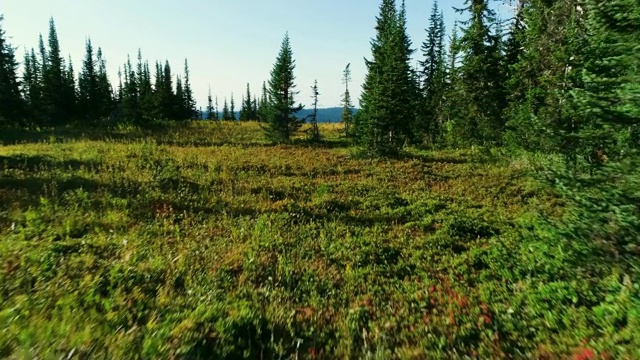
{"x": 204, "y": 241}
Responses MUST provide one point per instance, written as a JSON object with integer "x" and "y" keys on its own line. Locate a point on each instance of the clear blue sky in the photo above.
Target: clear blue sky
{"x": 229, "y": 43}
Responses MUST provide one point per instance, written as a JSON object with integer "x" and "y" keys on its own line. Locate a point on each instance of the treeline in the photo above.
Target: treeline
{"x": 561, "y": 77}
{"x": 48, "y": 93}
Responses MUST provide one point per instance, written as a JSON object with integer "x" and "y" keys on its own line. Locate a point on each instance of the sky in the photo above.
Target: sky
{"x": 228, "y": 43}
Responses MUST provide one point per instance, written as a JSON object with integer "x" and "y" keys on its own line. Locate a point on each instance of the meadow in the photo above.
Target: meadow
{"x": 205, "y": 241}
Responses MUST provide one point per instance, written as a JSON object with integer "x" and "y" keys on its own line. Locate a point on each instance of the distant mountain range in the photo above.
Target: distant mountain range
{"x": 328, "y": 115}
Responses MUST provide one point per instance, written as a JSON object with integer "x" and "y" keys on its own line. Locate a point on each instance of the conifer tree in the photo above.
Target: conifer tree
{"x": 545, "y": 75}
{"x": 282, "y": 122}
{"x": 347, "y": 104}
{"x": 70, "y": 93}
{"x": 315, "y": 131}
{"x": 130, "y": 98}
{"x": 54, "y": 85}
{"x": 232, "y": 109}
{"x": 247, "y": 106}
{"x": 11, "y": 104}
{"x": 32, "y": 85}
{"x": 179, "y": 110}
{"x": 264, "y": 103}
{"x": 210, "y": 109}
{"x": 388, "y": 101}
{"x": 226, "y": 114}
{"x": 254, "y": 109}
{"x": 145, "y": 89}
{"x": 433, "y": 73}
{"x": 216, "y": 113}
{"x": 189, "y": 103}
{"x": 609, "y": 101}
{"x": 88, "y": 88}
{"x": 481, "y": 121}
{"x": 105, "y": 101}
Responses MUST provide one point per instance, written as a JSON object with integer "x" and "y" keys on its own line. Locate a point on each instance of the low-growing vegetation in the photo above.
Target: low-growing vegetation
{"x": 204, "y": 241}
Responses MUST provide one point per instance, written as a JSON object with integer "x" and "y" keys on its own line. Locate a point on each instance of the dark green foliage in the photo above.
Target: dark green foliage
{"x": 248, "y": 110}
{"x": 89, "y": 92}
{"x": 210, "y": 109}
{"x": 188, "y": 103}
{"x": 313, "y": 118}
{"x": 57, "y": 90}
{"x": 11, "y": 103}
{"x": 610, "y": 98}
{"x": 387, "y": 114}
{"x": 263, "y": 107}
{"x": 232, "y": 110}
{"x": 433, "y": 76}
{"x": 541, "y": 114}
{"x": 226, "y": 114}
{"x": 281, "y": 108}
{"x": 481, "y": 83}
{"x": 347, "y": 103}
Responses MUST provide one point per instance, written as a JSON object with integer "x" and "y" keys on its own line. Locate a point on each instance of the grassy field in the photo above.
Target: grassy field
{"x": 204, "y": 241}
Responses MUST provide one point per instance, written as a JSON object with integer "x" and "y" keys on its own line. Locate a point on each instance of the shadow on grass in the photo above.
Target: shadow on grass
{"x": 36, "y": 162}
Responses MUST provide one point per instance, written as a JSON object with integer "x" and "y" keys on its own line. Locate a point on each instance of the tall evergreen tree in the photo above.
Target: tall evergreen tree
{"x": 247, "y": 106}
{"x": 315, "y": 131}
{"x": 88, "y": 88}
{"x": 388, "y": 100}
{"x": 547, "y": 71}
{"x": 433, "y": 73}
{"x": 210, "y": 108}
{"x": 226, "y": 114}
{"x": 232, "y": 112}
{"x": 105, "y": 101}
{"x": 216, "y": 113}
{"x": 481, "y": 121}
{"x": 281, "y": 114}
{"x": 70, "y": 92}
{"x": 130, "y": 98}
{"x": 11, "y": 104}
{"x": 610, "y": 98}
{"x": 347, "y": 104}
{"x": 54, "y": 85}
{"x": 32, "y": 86}
{"x": 145, "y": 89}
{"x": 189, "y": 103}
{"x": 264, "y": 104}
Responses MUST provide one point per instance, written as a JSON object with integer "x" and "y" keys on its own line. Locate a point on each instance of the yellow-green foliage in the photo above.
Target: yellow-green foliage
{"x": 204, "y": 241}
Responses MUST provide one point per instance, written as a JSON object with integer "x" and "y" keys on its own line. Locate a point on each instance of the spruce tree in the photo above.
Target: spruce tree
{"x": 254, "y": 109}
{"x": 247, "y": 106}
{"x": 105, "y": 101}
{"x": 130, "y": 98}
{"x": 70, "y": 93}
{"x": 54, "y": 86}
{"x": 189, "y": 103}
{"x": 216, "y": 113}
{"x": 609, "y": 101}
{"x": 232, "y": 109}
{"x": 11, "y": 104}
{"x": 226, "y": 115}
{"x": 145, "y": 89}
{"x": 32, "y": 86}
{"x": 264, "y": 103}
{"x": 347, "y": 104}
{"x": 210, "y": 108}
{"x": 553, "y": 37}
{"x": 315, "y": 131}
{"x": 88, "y": 88}
{"x": 388, "y": 101}
{"x": 433, "y": 73}
{"x": 282, "y": 122}
{"x": 481, "y": 121}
